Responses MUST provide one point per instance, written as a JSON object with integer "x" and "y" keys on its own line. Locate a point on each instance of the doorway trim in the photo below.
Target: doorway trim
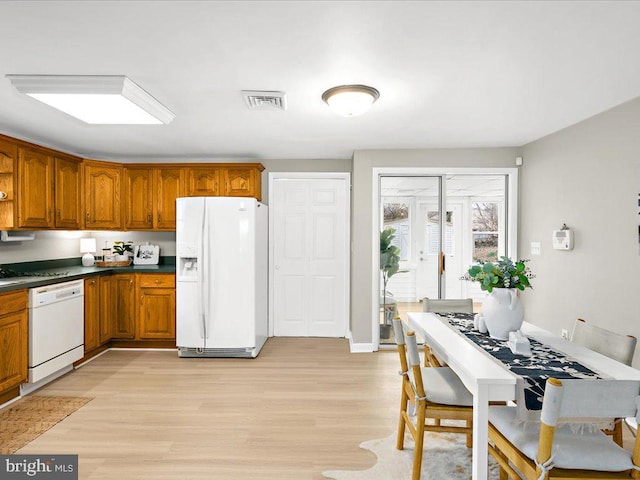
{"x": 377, "y": 172}
{"x": 346, "y": 176}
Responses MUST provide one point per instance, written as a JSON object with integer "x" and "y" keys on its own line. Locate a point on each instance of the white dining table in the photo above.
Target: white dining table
{"x": 489, "y": 380}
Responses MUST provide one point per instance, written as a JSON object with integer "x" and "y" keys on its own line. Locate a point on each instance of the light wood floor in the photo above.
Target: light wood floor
{"x": 303, "y": 406}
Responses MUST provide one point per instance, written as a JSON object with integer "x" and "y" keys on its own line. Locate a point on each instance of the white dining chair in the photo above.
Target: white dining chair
{"x": 435, "y": 393}
{"x": 554, "y": 448}
{"x": 611, "y": 344}
{"x": 614, "y": 345}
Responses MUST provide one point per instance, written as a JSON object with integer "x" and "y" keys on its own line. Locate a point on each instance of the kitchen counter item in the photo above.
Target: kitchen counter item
{"x": 123, "y": 263}
{"x": 146, "y": 255}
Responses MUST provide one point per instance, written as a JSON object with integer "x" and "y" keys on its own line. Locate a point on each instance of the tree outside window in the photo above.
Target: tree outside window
{"x": 485, "y": 231}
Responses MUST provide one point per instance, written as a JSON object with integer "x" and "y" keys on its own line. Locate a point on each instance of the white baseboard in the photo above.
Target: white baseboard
{"x": 359, "y": 347}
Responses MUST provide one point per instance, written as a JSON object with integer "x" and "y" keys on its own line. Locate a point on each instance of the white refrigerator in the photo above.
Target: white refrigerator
{"x": 221, "y": 277}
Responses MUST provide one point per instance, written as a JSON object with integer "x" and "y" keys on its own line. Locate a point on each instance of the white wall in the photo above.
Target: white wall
{"x": 50, "y": 245}
{"x": 586, "y": 176}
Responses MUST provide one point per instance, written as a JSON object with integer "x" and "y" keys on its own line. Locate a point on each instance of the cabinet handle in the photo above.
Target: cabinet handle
{"x": 58, "y": 213}
{"x": 88, "y": 217}
{"x": 49, "y": 215}
{"x": 149, "y": 218}
{"x": 130, "y": 282}
{"x": 141, "y": 299}
{"x": 93, "y": 282}
{"x": 159, "y": 217}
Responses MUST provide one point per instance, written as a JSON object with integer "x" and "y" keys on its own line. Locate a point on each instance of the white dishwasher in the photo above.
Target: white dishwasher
{"x": 56, "y": 330}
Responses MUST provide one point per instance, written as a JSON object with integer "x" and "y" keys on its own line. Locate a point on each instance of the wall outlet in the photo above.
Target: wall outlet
{"x": 535, "y": 248}
{"x": 565, "y": 333}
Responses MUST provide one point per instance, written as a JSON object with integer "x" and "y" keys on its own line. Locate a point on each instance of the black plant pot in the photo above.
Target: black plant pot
{"x": 385, "y": 331}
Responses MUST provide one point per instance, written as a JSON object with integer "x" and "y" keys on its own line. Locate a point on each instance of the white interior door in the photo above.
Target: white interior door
{"x": 310, "y": 256}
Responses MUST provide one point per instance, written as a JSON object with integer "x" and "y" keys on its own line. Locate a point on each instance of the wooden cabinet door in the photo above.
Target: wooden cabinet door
{"x": 102, "y": 196}
{"x": 8, "y": 169}
{"x": 169, "y": 185}
{"x": 35, "y": 190}
{"x": 240, "y": 182}
{"x": 204, "y": 181}
{"x": 157, "y": 306}
{"x": 67, "y": 194}
{"x": 13, "y": 349}
{"x": 138, "y": 198}
{"x": 106, "y": 308}
{"x": 157, "y": 314}
{"x": 124, "y": 291}
{"x": 91, "y": 314}
{"x": 14, "y": 326}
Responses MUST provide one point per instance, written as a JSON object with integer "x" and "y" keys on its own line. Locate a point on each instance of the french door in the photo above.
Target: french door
{"x": 442, "y": 223}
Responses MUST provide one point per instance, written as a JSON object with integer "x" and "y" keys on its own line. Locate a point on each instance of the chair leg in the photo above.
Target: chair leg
{"x": 503, "y": 474}
{"x": 401, "y": 422}
{"x": 419, "y": 441}
{"x": 469, "y": 424}
{"x": 617, "y": 432}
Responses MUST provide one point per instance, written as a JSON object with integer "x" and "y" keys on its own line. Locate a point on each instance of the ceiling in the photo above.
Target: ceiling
{"x": 450, "y": 74}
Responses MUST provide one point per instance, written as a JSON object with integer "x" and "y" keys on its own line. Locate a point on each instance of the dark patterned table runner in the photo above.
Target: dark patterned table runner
{"x": 543, "y": 363}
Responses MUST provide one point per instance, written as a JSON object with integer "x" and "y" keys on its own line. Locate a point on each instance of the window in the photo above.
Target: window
{"x": 485, "y": 217}
{"x": 396, "y": 216}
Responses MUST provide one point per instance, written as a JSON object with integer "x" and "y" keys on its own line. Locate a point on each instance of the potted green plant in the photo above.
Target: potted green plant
{"x": 389, "y": 266}
{"x": 502, "y": 311}
{"x": 121, "y": 249}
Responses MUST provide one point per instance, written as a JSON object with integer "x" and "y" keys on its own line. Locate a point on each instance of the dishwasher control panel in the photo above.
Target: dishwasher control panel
{"x": 58, "y": 292}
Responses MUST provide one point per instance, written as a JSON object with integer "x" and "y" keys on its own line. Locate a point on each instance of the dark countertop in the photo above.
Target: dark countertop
{"x": 73, "y": 272}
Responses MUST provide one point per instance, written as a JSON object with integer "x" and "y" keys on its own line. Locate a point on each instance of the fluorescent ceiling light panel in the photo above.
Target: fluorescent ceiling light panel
{"x": 108, "y": 99}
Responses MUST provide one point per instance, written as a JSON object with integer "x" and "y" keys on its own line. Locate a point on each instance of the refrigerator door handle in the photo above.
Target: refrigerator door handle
{"x": 202, "y": 297}
{"x": 208, "y": 272}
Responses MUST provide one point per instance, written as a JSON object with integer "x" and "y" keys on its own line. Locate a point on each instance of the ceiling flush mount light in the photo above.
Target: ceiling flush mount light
{"x": 350, "y": 100}
{"x": 103, "y": 99}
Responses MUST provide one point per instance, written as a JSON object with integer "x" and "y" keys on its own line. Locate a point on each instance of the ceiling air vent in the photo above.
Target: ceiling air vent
{"x": 265, "y": 100}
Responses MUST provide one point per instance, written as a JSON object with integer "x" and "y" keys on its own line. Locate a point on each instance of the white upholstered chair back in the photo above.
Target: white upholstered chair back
{"x": 459, "y": 305}
{"x": 581, "y": 399}
{"x": 613, "y": 345}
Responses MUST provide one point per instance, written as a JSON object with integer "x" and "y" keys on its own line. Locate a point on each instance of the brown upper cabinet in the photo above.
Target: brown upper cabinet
{"x": 150, "y": 195}
{"x": 8, "y": 179}
{"x": 227, "y": 180}
{"x": 241, "y": 181}
{"x": 35, "y": 189}
{"x": 204, "y": 181}
{"x": 48, "y": 190}
{"x": 68, "y": 198}
{"x": 169, "y": 185}
{"x": 102, "y": 195}
{"x": 42, "y": 188}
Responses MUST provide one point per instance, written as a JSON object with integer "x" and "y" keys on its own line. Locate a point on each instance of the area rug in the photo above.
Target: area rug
{"x": 445, "y": 457}
{"x": 29, "y": 417}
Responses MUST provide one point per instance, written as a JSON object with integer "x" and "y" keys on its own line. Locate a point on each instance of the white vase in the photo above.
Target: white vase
{"x": 502, "y": 312}
{"x": 122, "y": 258}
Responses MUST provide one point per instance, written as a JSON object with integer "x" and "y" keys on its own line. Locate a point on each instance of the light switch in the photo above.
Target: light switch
{"x": 535, "y": 248}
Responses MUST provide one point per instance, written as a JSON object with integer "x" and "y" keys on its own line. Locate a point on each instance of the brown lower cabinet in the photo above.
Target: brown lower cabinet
{"x": 97, "y": 313}
{"x": 123, "y": 313}
{"x": 127, "y": 309}
{"x": 156, "y": 317}
{"x": 14, "y": 348}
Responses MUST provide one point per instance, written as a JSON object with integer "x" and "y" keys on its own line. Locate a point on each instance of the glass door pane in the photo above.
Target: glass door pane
{"x": 410, "y": 246}
{"x": 478, "y": 207}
